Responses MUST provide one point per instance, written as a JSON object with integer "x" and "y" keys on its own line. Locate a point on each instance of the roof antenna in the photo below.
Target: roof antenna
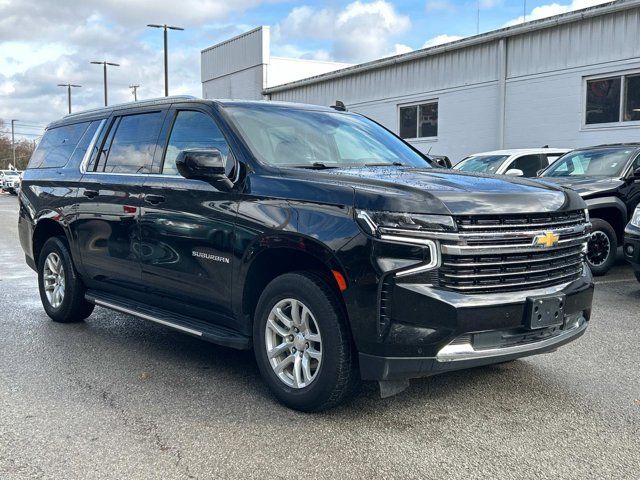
{"x": 339, "y": 106}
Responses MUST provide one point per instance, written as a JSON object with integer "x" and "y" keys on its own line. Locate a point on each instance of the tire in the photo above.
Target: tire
{"x": 602, "y": 247}
{"x": 327, "y": 382}
{"x": 71, "y": 306}
{"x": 637, "y": 274}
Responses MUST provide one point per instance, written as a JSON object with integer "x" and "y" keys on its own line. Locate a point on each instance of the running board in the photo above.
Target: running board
{"x": 192, "y": 326}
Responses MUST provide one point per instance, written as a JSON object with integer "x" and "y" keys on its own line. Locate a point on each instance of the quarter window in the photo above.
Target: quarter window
{"x": 194, "y": 130}
{"x": 612, "y": 100}
{"x": 130, "y": 149}
{"x": 419, "y": 121}
{"x": 57, "y": 146}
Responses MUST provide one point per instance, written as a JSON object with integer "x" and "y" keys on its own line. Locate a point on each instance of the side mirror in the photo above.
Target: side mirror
{"x": 514, "y": 172}
{"x": 204, "y": 164}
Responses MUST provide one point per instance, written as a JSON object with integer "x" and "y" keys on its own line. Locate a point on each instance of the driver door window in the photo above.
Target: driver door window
{"x": 193, "y": 129}
{"x": 529, "y": 164}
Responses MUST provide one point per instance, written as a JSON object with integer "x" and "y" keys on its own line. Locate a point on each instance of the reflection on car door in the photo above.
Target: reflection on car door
{"x": 107, "y": 225}
{"x": 187, "y": 226}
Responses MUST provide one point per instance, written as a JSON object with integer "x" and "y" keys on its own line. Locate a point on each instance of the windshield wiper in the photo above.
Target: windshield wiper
{"x": 316, "y": 166}
{"x": 392, "y": 164}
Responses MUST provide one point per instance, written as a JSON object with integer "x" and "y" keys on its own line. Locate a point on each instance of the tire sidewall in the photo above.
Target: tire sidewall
{"x": 327, "y": 317}
{"x": 56, "y": 245}
{"x": 604, "y": 226}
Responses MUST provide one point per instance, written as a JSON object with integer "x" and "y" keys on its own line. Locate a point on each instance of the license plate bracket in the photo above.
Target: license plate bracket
{"x": 545, "y": 311}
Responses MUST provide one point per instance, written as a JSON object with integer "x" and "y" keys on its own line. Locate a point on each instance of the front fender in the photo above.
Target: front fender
{"x": 607, "y": 202}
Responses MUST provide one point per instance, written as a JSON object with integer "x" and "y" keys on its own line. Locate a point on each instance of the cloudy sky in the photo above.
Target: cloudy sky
{"x": 46, "y": 42}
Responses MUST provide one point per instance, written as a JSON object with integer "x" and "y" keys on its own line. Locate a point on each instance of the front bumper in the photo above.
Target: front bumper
{"x": 464, "y": 331}
{"x": 631, "y": 246}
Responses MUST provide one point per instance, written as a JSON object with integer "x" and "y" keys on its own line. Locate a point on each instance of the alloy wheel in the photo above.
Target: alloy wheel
{"x": 598, "y": 248}
{"x": 54, "y": 279}
{"x": 293, "y": 343}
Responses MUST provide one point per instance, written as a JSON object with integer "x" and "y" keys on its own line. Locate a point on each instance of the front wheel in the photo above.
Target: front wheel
{"x": 302, "y": 343}
{"x": 61, "y": 290}
{"x": 601, "y": 247}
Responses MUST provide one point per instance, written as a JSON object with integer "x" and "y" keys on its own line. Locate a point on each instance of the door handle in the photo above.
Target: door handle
{"x": 154, "y": 199}
{"x": 91, "y": 193}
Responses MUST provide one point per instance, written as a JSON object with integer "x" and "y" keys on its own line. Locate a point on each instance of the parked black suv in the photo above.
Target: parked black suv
{"x": 316, "y": 236}
{"x": 632, "y": 242}
{"x": 607, "y": 177}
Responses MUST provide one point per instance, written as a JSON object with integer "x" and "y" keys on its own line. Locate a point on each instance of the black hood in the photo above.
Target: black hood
{"x": 586, "y": 186}
{"x": 431, "y": 190}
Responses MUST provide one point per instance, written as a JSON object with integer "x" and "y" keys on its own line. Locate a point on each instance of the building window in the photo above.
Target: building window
{"x": 632, "y": 98}
{"x": 419, "y": 121}
{"x": 613, "y": 99}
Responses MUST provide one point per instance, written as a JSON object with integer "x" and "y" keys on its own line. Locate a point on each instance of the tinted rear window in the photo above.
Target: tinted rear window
{"x": 57, "y": 146}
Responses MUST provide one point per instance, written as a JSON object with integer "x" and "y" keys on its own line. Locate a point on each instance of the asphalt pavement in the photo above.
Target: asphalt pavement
{"x": 120, "y": 398}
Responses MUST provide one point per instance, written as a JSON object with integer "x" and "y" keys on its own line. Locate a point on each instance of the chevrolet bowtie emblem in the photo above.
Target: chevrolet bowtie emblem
{"x": 547, "y": 239}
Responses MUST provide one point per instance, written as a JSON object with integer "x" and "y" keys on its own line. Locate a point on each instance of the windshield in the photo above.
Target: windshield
{"x": 481, "y": 163}
{"x": 316, "y": 139}
{"x": 603, "y": 162}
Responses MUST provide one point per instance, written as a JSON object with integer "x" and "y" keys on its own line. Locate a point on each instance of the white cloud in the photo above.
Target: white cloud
{"x": 440, "y": 40}
{"x": 359, "y": 32}
{"x": 46, "y": 43}
{"x": 439, "y": 5}
{"x": 551, "y": 9}
{"x": 399, "y": 49}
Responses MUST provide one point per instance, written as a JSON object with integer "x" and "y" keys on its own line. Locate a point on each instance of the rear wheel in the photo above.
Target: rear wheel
{"x": 302, "y": 344}
{"x": 61, "y": 290}
{"x": 602, "y": 247}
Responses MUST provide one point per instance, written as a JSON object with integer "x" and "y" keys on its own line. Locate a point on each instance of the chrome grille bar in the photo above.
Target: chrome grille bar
{"x": 495, "y": 254}
{"x": 527, "y": 283}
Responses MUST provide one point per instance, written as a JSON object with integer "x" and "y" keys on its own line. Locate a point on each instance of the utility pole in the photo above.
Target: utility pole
{"x": 105, "y": 76}
{"x": 165, "y": 27}
{"x": 134, "y": 90}
{"x": 13, "y": 142}
{"x": 69, "y": 85}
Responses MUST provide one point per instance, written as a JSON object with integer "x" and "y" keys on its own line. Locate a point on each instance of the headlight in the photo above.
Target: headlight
{"x": 397, "y": 223}
{"x": 635, "y": 219}
{"x": 411, "y": 229}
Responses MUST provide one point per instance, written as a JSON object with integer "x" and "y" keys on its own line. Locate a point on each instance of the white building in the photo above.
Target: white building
{"x": 243, "y": 67}
{"x": 566, "y": 81}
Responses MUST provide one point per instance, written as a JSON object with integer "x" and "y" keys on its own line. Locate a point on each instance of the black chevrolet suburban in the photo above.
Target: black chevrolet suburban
{"x": 314, "y": 236}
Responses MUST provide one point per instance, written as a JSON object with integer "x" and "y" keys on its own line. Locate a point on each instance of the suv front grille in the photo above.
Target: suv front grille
{"x": 497, "y": 254}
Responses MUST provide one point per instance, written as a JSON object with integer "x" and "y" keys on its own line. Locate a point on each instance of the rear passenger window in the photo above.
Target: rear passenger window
{"x": 57, "y": 146}
{"x": 193, "y": 130}
{"x": 130, "y": 149}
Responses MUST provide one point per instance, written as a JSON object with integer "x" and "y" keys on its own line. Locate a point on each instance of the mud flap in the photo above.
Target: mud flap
{"x": 389, "y": 388}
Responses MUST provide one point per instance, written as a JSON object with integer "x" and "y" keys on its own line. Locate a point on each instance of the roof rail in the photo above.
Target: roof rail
{"x": 141, "y": 103}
